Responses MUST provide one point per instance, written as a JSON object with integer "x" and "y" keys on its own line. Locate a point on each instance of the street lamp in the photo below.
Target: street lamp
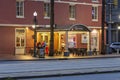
{"x": 35, "y": 38}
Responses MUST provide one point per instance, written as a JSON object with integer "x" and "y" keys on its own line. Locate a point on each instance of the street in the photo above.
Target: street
{"x": 57, "y": 67}
{"x": 106, "y": 76}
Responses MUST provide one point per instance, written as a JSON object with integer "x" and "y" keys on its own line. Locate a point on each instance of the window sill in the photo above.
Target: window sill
{"x": 95, "y": 20}
{"x": 19, "y": 16}
{"x": 72, "y": 19}
{"x": 46, "y": 17}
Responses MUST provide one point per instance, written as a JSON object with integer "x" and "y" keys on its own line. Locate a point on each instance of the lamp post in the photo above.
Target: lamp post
{"x": 35, "y": 33}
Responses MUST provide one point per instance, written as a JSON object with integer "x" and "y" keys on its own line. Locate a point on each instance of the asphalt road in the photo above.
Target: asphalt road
{"x": 21, "y": 66}
{"x": 28, "y": 68}
{"x": 106, "y": 76}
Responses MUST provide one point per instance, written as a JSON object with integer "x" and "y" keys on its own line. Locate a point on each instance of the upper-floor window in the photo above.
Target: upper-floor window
{"x": 115, "y": 3}
{"x": 94, "y": 0}
{"x": 94, "y": 13}
{"x": 47, "y": 10}
{"x": 72, "y": 12}
{"x": 19, "y": 8}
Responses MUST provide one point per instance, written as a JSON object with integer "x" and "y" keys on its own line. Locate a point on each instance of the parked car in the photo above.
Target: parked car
{"x": 115, "y": 46}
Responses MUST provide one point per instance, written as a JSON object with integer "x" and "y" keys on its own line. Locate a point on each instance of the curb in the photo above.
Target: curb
{"x": 57, "y": 73}
{"x": 49, "y": 59}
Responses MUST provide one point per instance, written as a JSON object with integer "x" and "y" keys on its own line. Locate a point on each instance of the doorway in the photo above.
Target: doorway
{"x": 20, "y": 40}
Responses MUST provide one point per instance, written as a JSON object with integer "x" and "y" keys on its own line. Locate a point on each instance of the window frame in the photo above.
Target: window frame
{"x": 46, "y": 10}
{"x": 95, "y": 14}
{"x": 20, "y": 9}
{"x": 72, "y": 12}
{"x": 21, "y": 36}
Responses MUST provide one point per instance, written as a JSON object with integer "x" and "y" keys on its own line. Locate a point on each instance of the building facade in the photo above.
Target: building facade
{"x": 113, "y": 22}
{"x": 16, "y": 21}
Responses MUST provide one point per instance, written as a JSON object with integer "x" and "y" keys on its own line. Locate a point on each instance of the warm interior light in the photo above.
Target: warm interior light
{"x": 26, "y": 28}
{"x": 119, "y": 16}
{"x": 33, "y": 26}
{"x": 118, "y": 27}
{"x": 94, "y": 31}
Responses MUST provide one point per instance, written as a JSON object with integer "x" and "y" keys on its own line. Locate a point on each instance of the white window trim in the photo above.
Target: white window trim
{"x": 95, "y": 1}
{"x": 16, "y": 35}
{"x": 72, "y": 19}
{"x": 95, "y": 20}
{"x": 23, "y": 10}
{"x": 97, "y": 13}
{"x": 46, "y": 17}
{"x": 75, "y": 12}
{"x": 46, "y": 1}
{"x": 19, "y": 16}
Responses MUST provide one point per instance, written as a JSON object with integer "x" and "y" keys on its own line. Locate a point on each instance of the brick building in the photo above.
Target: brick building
{"x": 72, "y": 17}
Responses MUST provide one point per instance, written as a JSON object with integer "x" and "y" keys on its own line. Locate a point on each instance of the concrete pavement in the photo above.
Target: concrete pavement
{"x": 9, "y": 57}
{"x": 59, "y": 67}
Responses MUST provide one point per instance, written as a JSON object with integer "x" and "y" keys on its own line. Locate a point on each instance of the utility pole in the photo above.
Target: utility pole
{"x": 51, "y": 51}
{"x": 103, "y": 24}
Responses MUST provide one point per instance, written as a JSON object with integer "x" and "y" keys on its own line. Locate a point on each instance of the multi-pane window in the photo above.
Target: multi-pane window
{"x": 94, "y": 13}
{"x": 72, "y": 11}
{"x": 47, "y": 10}
{"x": 19, "y": 8}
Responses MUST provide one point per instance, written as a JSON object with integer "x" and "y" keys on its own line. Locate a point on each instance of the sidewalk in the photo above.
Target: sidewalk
{"x": 8, "y": 57}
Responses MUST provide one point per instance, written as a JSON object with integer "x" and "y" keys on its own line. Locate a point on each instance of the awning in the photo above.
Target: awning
{"x": 76, "y": 27}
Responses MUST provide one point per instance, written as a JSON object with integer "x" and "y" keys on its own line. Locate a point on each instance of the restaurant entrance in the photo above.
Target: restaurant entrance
{"x": 66, "y": 38}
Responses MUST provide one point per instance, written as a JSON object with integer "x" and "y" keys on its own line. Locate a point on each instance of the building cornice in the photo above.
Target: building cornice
{"x": 14, "y": 25}
{"x": 95, "y": 27}
{"x": 72, "y": 2}
{"x": 29, "y": 25}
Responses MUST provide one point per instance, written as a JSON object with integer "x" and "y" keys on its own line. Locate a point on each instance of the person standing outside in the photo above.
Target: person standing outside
{"x": 46, "y": 50}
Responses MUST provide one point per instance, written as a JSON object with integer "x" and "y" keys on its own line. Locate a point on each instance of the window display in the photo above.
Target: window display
{"x": 72, "y": 41}
{"x": 84, "y": 38}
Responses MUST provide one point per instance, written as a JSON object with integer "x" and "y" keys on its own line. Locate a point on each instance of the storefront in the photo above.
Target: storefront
{"x": 72, "y": 36}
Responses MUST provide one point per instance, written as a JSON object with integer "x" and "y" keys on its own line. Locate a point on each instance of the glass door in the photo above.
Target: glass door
{"x": 20, "y": 41}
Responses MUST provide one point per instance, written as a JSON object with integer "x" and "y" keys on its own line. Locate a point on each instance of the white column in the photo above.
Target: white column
{"x": 88, "y": 41}
{"x": 66, "y": 46}
{"x": 59, "y": 41}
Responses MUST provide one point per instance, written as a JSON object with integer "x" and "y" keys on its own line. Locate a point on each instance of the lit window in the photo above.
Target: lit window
{"x": 72, "y": 12}
{"x": 20, "y": 8}
{"x": 94, "y": 13}
{"x": 47, "y": 10}
{"x": 20, "y": 37}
